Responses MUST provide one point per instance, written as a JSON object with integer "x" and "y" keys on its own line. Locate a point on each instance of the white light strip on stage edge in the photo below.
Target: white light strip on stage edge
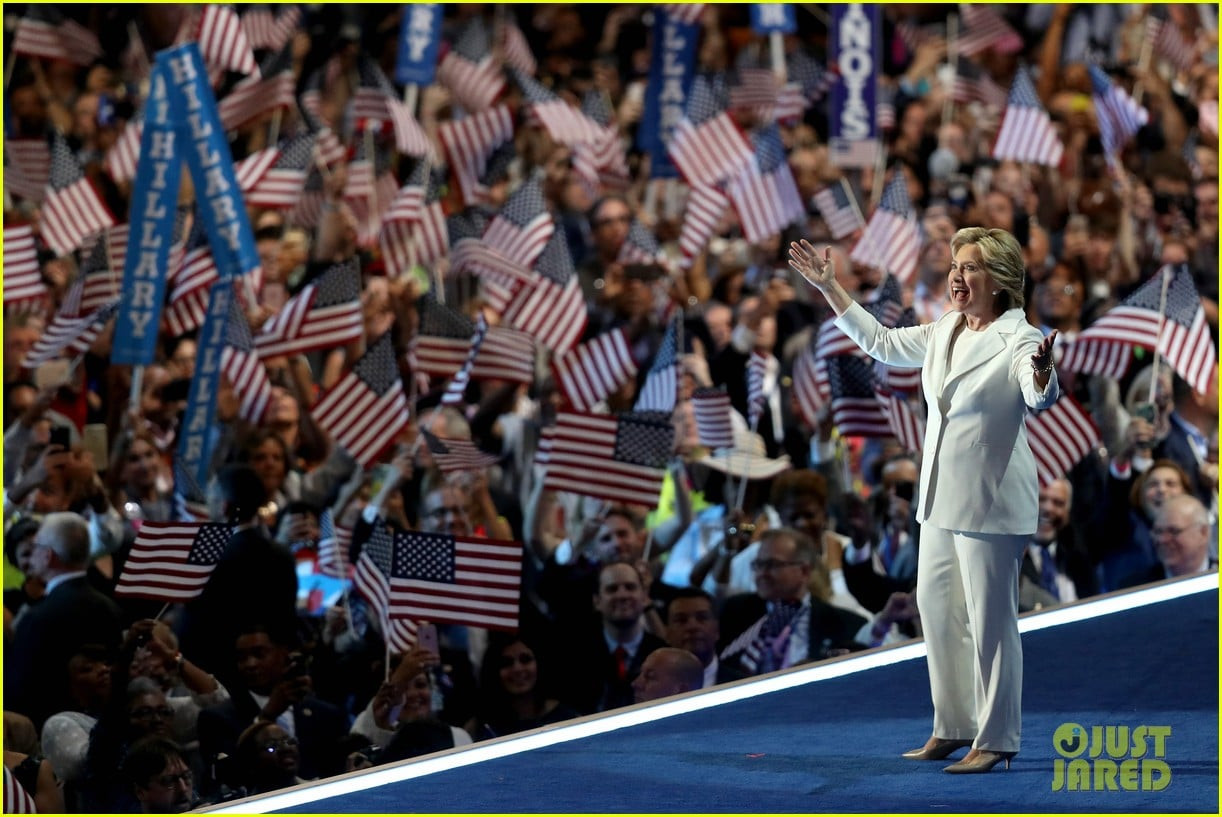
{"x": 690, "y": 702}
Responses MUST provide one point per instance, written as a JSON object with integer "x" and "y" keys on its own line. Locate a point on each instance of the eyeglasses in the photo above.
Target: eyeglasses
{"x": 1169, "y": 531}
{"x": 273, "y": 746}
{"x": 764, "y": 565}
{"x": 163, "y": 712}
{"x": 170, "y": 780}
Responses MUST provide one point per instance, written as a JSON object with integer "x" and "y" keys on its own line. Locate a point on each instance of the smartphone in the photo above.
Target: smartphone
{"x": 52, "y": 374}
{"x": 61, "y": 436}
{"x": 94, "y": 440}
{"x": 426, "y": 638}
{"x": 1145, "y": 411}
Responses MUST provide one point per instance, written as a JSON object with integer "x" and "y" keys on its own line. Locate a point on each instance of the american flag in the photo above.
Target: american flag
{"x": 22, "y": 276}
{"x": 706, "y": 145}
{"x": 510, "y": 245}
{"x": 706, "y": 207}
{"x": 325, "y": 314}
{"x": 333, "y": 544}
{"x": 372, "y": 580}
{"x": 661, "y": 387}
{"x": 102, "y": 269}
{"x": 516, "y": 49}
{"x": 592, "y": 370}
{"x": 757, "y": 367}
{"x": 839, "y": 209}
{"x": 1165, "y": 39}
{"x": 72, "y": 209}
{"x": 1182, "y": 338}
{"x": 1119, "y": 116}
{"x": 27, "y": 168}
{"x": 550, "y": 306}
{"x": 468, "y": 70}
{"x": 565, "y": 123}
{"x": 765, "y": 195}
{"x": 69, "y": 331}
{"x": 123, "y": 157}
{"x": 440, "y": 346}
{"x": 601, "y": 163}
{"x": 16, "y": 799}
{"x": 243, "y": 368}
{"x": 255, "y": 96}
{"x": 973, "y": 84}
{"x": 810, "y": 384}
{"x": 172, "y": 561}
{"x": 457, "y": 455}
{"x": 809, "y": 74}
{"x": 892, "y": 240}
{"x": 267, "y": 29}
{"x": 367, "y": 408}
{"x": 375, "y": 98}
{"x": 1027, "y": 133}
{"x": 712, "y": 409}
{"x": 223, "y": 43}
{"x": 856, "y": 410}
{"x": 190, "y": 283}
{"x": 1060, "y": 436}
{"x": 906, "y": 426}
{"x": 618, "y": 458}
{"x": 640, "y": 246}
{"x": 468, "y": 142}
{"x": 456, "y": 580}
{"x": 282, "y": 181}
{"x": 371, "y": 188}
{"x": 45, "y": 32}
{"x": 453, "y": 394}
{"x": 769, "y": 100}
{"x": 984, "y": 28}
{"x": 414, "y": 227}
{"x": 887, "y": 306}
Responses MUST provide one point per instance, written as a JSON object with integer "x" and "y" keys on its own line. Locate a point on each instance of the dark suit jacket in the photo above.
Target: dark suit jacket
{"x": 592, "y": 683}
{"x": 255, "y": 581}
{"x": 830, "y": 628}
{"x": 319, "y": 726}
{"x": 1177, "y": 447}
{"x": 729, "y": 366}
{"x": 36, "y": 675}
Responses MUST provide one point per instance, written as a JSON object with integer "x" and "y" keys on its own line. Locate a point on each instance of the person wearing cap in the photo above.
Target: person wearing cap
{"x": 983, "y": 365}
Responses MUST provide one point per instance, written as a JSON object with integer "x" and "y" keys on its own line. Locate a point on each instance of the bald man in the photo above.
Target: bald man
{"x": 668, "y": 671}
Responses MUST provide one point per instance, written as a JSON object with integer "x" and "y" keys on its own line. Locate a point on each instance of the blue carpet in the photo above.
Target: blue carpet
{"x": 834, "y": 745}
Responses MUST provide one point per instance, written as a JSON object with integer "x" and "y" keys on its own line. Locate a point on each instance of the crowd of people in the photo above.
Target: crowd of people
{"x": 795, "y": 543}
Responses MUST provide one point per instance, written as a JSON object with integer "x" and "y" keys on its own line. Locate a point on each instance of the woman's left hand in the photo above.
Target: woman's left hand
{"x": 1042, "y": 358}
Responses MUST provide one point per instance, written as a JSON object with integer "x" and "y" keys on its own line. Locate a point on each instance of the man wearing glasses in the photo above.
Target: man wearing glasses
{"x": 159, "y": 777}
{"x": 782, "y": 624}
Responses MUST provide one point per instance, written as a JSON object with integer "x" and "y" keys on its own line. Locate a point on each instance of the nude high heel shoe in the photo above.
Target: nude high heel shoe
{"x": 937, "y": 748}
{"x": 979, "y": 761}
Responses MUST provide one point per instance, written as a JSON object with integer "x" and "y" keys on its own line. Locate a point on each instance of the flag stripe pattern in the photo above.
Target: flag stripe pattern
{"x": 172, "y": 561}
{"x": 1060, "y": 437}
{"x": 1026, "y": 133}
{"x": 838, "y": 210}
{"x": 371, "y": 578}
{"x": 617, "y": 458}
{"x": 712, "y": 409}
{"x": 367, "y": 408}
{"x": 72, "y": 209}
{"x": 592, "y": 370}
{"x": 222, "y": 41}
{"x": 457, "y": 455}
{"x": 325, "y": 314}
{"x": 22, "y": 276}
{"x": 468, "y": 142}
{"x": 456, "y": 580}
{"x": 661, "y": 387}
{"x": 892, "y": 239}
{"x": 1118, "y": 115}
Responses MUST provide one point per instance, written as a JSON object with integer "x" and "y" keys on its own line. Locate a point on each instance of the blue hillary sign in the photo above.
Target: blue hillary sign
{"x": 419, "y": 40}
{"x": 195, "y": 437}
{"x": 769, "y": 17}
{"x": 670, "y": 78}
{"x": 154, "y": 195}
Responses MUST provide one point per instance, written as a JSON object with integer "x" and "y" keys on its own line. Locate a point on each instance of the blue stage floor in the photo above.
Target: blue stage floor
{"x": 801, "y": 742}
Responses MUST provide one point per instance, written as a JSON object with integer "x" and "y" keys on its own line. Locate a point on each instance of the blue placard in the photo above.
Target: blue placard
{"x": 856, "y": 52}
{"x": 219, "y": 199}
{"x": 154, "y": 195}
{"x": 670, "y": 78}
{"x": 419, "y": 40}
{"x": 769, "y": 17}
{"x": 195, "y": 435}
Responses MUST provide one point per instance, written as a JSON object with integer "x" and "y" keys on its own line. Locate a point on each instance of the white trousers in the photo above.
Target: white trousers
{"x": 967, "y": 593}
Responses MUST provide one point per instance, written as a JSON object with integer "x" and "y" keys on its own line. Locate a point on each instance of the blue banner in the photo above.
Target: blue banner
{"x": 195, "y": 436}
{"x": 670, "y": 78}
{"x": 769, "y": 17}
{"x": 219, "y": 199}
{"x": 154, "y": 196}
{"x": 419, "y": 40}
{"x": 856, "y": 52}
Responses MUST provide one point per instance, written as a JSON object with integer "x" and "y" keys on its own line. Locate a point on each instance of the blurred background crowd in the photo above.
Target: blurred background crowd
{"x": 516, "y": 188}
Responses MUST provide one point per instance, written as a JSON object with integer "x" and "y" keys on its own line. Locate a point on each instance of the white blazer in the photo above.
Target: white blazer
{"x": 977, "y": 471}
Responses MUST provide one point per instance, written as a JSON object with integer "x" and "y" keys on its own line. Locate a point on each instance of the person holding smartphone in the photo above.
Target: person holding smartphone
{"x": 983, "y": 365}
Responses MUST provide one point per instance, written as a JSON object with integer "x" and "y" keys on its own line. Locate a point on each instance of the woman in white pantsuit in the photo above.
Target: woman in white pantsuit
{"x": 982, "y": 365}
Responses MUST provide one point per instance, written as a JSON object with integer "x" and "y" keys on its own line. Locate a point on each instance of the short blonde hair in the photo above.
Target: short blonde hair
{"x": 1003, "y": 258}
